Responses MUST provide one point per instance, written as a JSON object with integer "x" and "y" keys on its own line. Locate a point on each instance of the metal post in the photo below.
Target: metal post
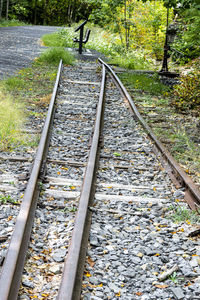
{"x": 166, "y": 47}
{"x": 81, "y": 40}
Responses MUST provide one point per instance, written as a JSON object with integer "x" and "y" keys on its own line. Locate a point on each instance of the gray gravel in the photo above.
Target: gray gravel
{"x": 60, "y": 189}
{"x": 132, "y": 242}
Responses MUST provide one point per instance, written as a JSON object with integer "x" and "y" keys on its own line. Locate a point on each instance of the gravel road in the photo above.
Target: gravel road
{"x": 19, "y": 46}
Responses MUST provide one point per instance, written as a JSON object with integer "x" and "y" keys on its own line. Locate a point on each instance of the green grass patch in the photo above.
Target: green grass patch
{"x": 31, "y": 87}
{"x": 180, "y": 214}
{"x": 11, "y": 119}
{"x": 55, "y": 54}
{"x": 132, "y": 60}
{"x": 8, "y": 23}
{"x": 144, "y": 83}
{"x": 54, "y": 40}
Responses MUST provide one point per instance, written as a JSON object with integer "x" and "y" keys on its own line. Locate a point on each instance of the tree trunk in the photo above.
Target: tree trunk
{"x": 35, "y": 13}
{"x": 7, "y": 9}
{"x": 45, "y": 12}
{"x": 1, "y": 8}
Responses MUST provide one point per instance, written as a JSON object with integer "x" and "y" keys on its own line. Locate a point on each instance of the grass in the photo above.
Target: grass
{"x": 11, "y": 119}
{"x": 133, "y": 60}
{"x": 55, "y": 54}
{"x": 31, "y": 87}
{"x": 180, "y": 214}
{"x": 7, "y": 199}
{"x": 54, "y": 40}
{"x": 144, "y": 82}
{"x": 102, "y": 41}
{"x": 8, "y": 23}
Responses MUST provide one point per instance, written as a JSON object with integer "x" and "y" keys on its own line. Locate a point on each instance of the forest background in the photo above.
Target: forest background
{"x": 138, "y": 24}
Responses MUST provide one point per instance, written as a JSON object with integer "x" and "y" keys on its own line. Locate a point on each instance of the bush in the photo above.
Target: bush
{"x": 187, "y": 93}
{"x": 54, "y": 55}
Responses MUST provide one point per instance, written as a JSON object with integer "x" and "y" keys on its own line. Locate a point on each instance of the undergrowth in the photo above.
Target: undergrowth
{"x": 181, "y": 214}
{"x": 8, "y": 23}
{"x": 31, "y": 86}
{"x": 102, "y": 41}
{"x": 143, "y": 82}
{"x": 11, "y": 119}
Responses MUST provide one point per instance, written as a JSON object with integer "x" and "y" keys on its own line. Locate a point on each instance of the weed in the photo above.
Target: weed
{"x": 180, "y": 214}
{"x": 11, "y": 119}
{"x": 6, "y": 199}
{"x": 173, "y": 277}
{"x": 14, "y": 83}
{"x": 54, "y": 55}
{"x": 70, "y": 209}
{"x": 144, "y": 83}
{"x": 132, "y": 60}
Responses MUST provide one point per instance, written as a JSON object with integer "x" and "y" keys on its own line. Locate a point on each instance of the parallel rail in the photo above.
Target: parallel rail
{"x": 70, "y": 286}
{"x": 15, "y": 258}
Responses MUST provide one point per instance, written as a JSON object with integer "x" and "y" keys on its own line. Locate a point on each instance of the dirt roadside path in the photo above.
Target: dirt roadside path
{"x": 19, "y": 46}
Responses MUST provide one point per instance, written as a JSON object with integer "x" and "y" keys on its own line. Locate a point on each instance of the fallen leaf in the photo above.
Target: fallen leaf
{"x": 138, "y": 293}
{"x": 161, "y": 286}
{"x": 87, "y": 274}
{"x": 90, "y": 262}
{"x": 72, "y": 187}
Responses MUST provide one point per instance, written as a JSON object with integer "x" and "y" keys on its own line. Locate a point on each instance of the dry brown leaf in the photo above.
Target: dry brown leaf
{"x": 90, "y": 262}
{"x": 161, "y": 286}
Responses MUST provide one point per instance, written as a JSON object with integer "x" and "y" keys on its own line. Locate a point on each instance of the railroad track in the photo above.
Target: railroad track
{"x": 95, "y": 164}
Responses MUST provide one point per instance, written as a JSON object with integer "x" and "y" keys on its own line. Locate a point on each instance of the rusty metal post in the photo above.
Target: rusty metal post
{"x": 80, "y": 49}
{"x": 166, "y": 47}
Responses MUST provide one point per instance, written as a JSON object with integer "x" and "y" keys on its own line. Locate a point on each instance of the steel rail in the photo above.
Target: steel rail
{"x": 14, "y": 262}
{"x": 71, "y": 273}
{"x": 192, "y": 194}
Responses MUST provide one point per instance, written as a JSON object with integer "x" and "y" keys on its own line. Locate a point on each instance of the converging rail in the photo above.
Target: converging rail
{"x": 76, "y": 164}
{"x": 192, "y": 194}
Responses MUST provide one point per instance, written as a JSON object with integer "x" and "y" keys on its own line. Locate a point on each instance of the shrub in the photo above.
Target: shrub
{"x": 187, "y": 93}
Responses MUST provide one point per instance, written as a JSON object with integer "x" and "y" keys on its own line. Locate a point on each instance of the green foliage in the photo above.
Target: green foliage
{"x": 135, "y": 60}
{"x": 5, "y": 199}
{"x": 8, "y": 23}
{"x": 139, "y": 25}
{"x": 54, "y": 55}
{"x": 144, "y": 83}
{"x": 187, "y": 43}
{"x": 32, "y": 86}
{"x": 14, "y": 83}
{"x": 187, "y": 93}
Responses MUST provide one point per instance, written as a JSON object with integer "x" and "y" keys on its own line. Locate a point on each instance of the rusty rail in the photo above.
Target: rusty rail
{"x": 70, "y": 287}
{"x": 14, "y": 263}
{"x": 192, "y": 194}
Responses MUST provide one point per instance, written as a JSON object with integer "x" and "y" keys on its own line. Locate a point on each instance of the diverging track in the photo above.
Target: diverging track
{"x": 95, "y": 164}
